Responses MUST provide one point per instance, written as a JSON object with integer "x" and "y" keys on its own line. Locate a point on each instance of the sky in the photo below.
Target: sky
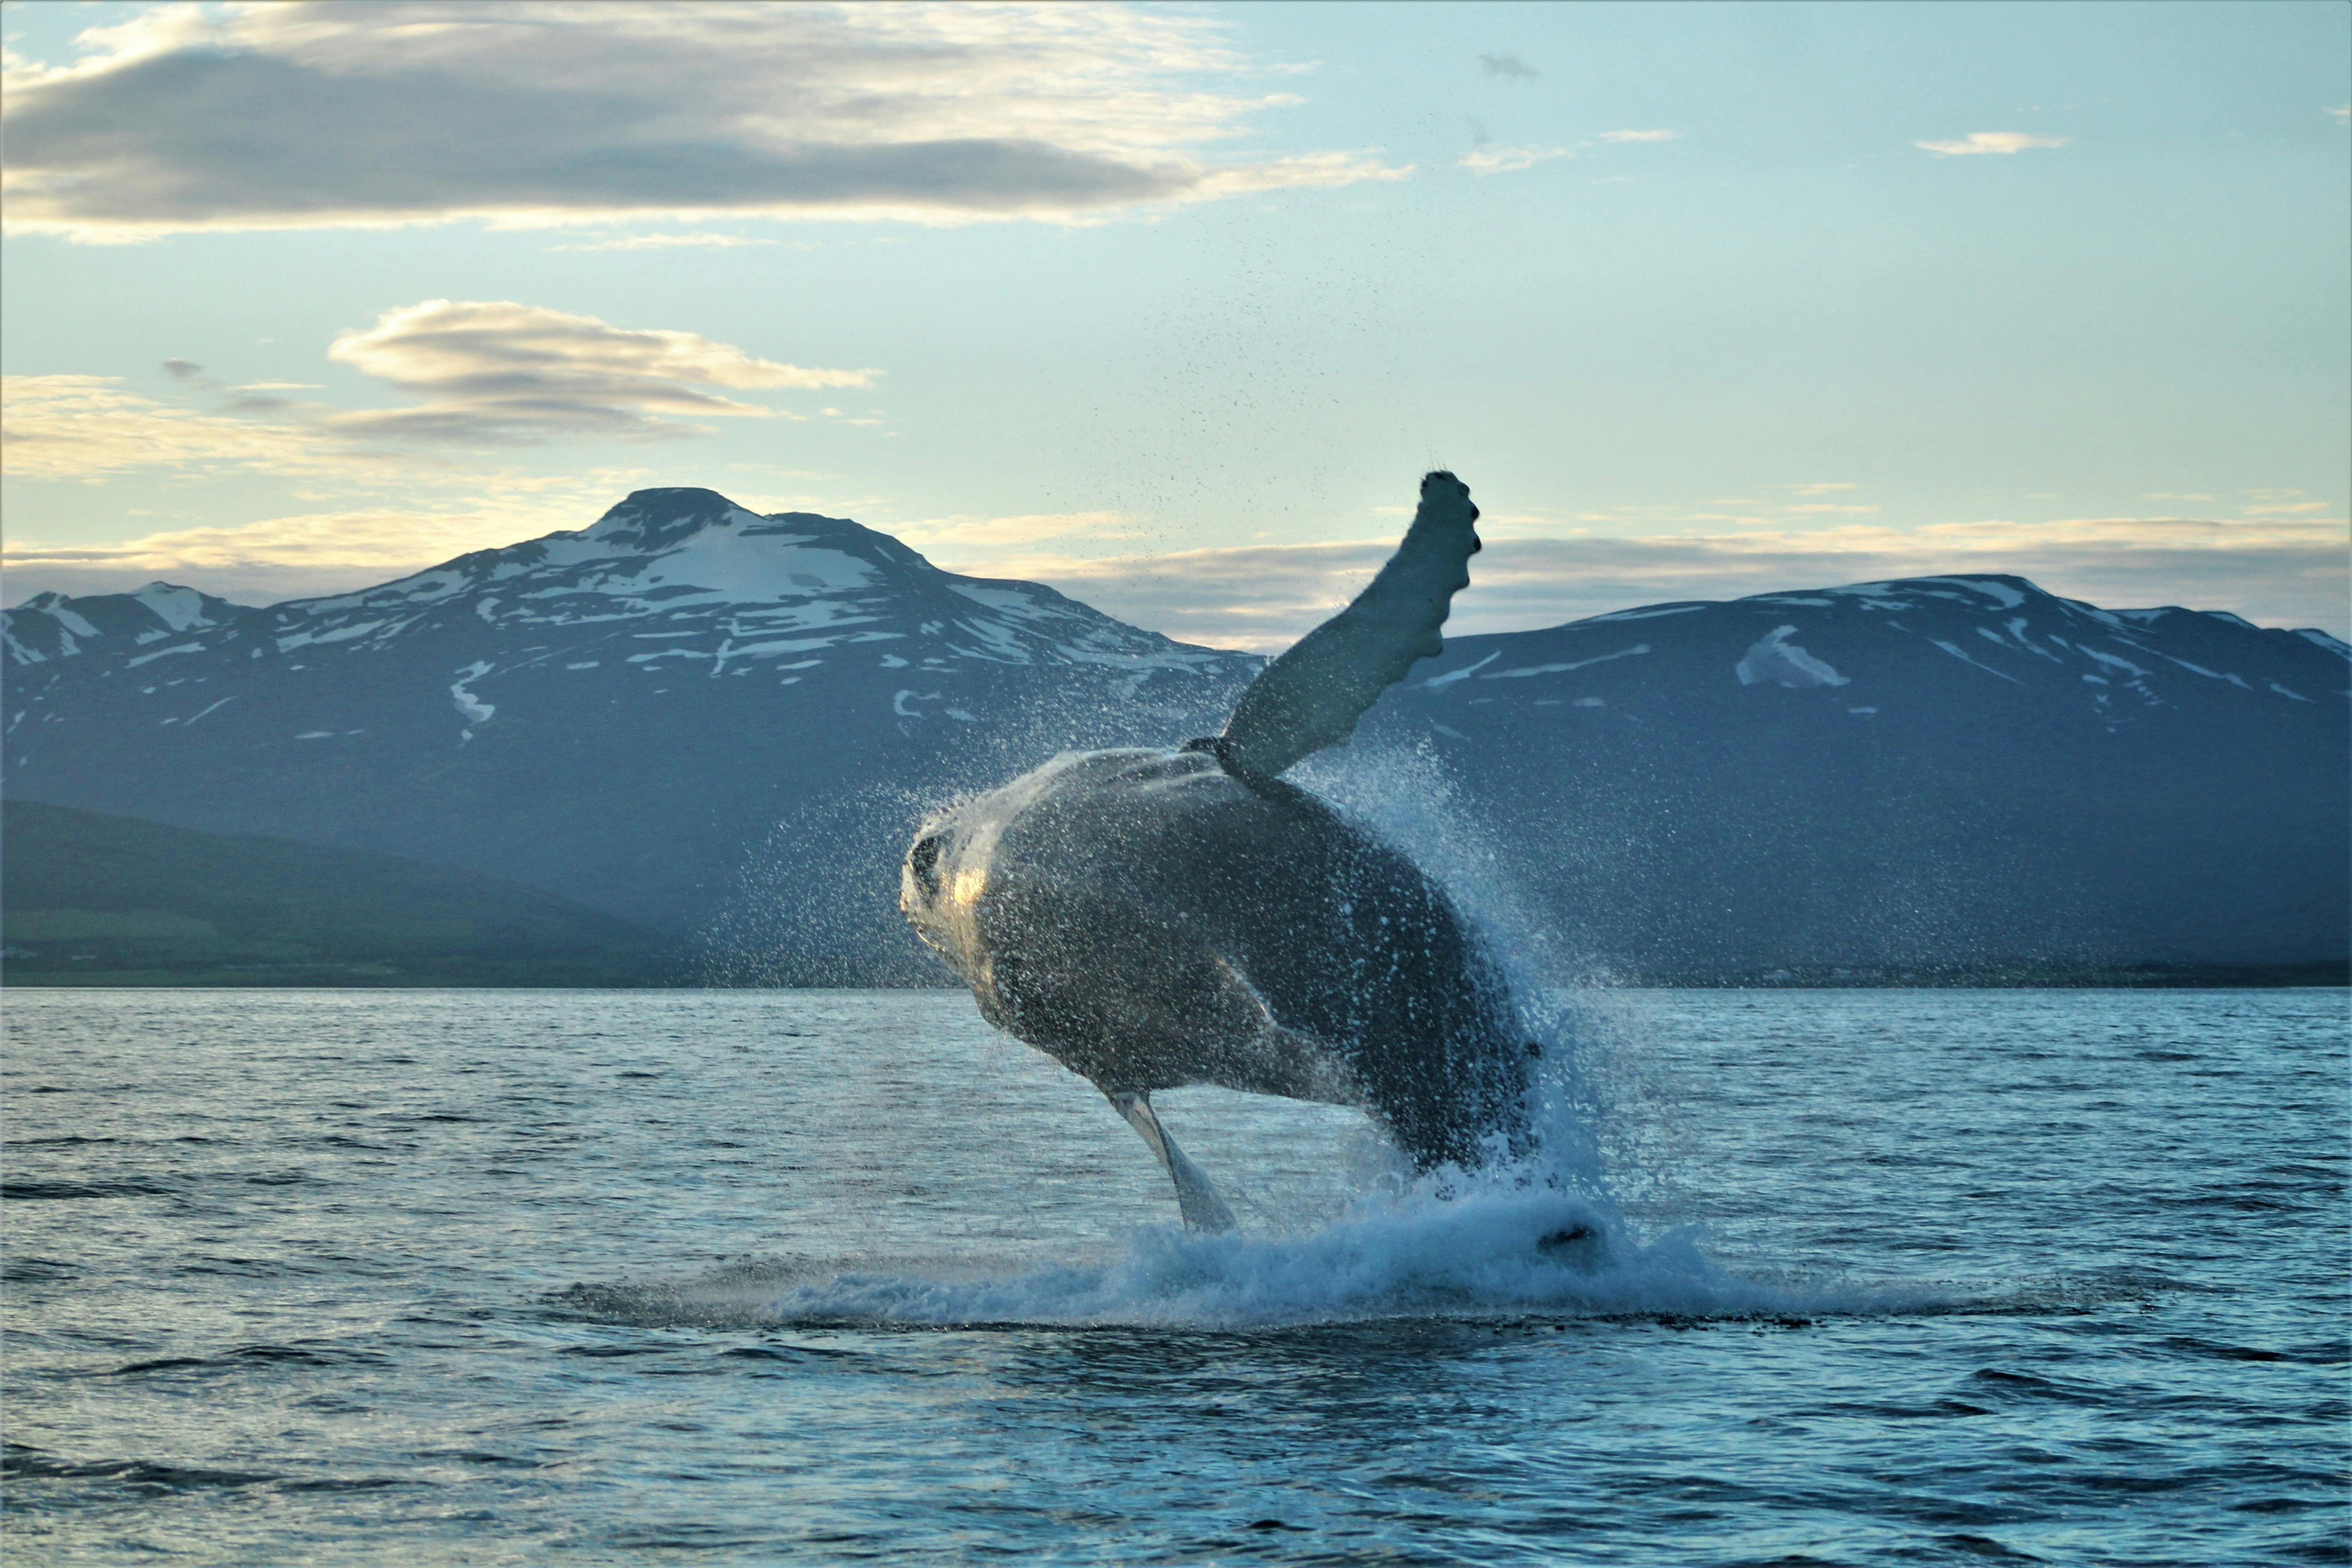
{"x": 1170, "y": 306}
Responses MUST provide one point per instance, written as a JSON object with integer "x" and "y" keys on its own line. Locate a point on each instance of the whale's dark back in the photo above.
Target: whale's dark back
{"x": 1340, "y": 934}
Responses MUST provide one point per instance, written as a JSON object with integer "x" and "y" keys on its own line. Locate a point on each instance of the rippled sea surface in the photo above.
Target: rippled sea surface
{"x": 733, "y": 1277}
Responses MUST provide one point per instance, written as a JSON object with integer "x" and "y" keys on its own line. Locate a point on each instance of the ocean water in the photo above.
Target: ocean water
{"x": 1873, "y": 1277}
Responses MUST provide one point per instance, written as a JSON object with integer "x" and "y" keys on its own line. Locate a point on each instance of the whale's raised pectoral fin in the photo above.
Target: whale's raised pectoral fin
{"x": 1196, "y": 1200}
{"x": 1311, "y": 696}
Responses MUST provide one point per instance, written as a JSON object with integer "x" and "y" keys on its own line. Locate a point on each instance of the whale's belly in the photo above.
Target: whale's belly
{"x": 1155, "y": 922}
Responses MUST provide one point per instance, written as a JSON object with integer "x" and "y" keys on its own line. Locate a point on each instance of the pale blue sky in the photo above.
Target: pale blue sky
{"x": 1700, "y": 299}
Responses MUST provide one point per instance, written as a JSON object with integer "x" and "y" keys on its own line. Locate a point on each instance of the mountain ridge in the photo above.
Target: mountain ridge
{"x": 618, "y": 714}
{"x": 723, "y": 723}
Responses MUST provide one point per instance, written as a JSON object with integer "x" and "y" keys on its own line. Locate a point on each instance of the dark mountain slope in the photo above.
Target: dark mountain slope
{"x": 1932, "y": 774}
{"x": 87, "y": 898}
{"x": 50, "y": 627}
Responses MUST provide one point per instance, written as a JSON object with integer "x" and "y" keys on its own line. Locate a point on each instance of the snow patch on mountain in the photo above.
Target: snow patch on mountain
{"x": 71, "y": 620}
{"x": 1956, "y": 652}
{"x": 1526, "y": 670}
{"x": 474, "y": 709}
{"x": 1775, "y": 660}
{"x": 178, "y": 608}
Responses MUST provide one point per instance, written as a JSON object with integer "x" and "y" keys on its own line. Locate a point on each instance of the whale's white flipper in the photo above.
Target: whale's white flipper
{"x": 1311, "y": 696}
{"x": 1196, "y": 1200}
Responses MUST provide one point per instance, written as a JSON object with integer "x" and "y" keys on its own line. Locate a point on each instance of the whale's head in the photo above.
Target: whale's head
{"x": 978, "y": 866}
{"x": 940, "y": 881}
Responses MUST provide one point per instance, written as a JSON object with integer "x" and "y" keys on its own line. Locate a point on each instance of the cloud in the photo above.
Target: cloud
{"x": 319, "y": 553}
{"x": 88, "y": 427}
{"x": 493, "y": 374}
{"x": 1989, "y": 142}
{"x": 2343, "y": 112}
{"x": 1485, "y": 159}
{"x": 305, "y": 115}
{"x": 1509, "y": 160}
{"x": 1264, "y": 597}
{"x": 674, "y": 242}
{"x": 965, "y": 535}
{"x": 500, "y": 373}
{"x": 1507, "y": 66}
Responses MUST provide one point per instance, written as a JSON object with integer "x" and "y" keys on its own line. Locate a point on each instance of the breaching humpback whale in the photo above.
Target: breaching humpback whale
{"x": 1153, "y": 919}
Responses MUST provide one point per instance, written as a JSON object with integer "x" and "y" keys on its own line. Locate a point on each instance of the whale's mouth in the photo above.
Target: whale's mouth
{"x": 923, "y": 860}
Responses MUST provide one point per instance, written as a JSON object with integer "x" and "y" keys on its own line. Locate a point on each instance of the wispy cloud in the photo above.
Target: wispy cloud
{"x": 1976, "y": 141}
{"x": 491, "y": 374}
{"x": 952, "y": 538}
{"x": 2342, "y": 112}
{"x": 303, "y": 115}
{"x": 2275, "y": 571}
{"x": 89, "y": 426}
{"x": 678, "y": 242}
{"x": 1488, "y": 159}
{"x": 502, "y": 374}
{"x": 325, "y": 552}
{"x": 1507, "y": 66}
{"x": 1509, "y": 160}
{"x": 1262, "y": 598}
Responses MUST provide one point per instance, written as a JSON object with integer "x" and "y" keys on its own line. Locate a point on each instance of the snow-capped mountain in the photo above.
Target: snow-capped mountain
{"x": 1938, "y": 772}
{"x": 706, "y": 720}
{"x": 623, "y": 715}
{"x": 53, "y": 626}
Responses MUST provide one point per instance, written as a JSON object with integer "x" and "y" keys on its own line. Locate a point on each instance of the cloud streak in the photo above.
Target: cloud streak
{"x": 89, "y": 426}
{"x": 501, "y": 373}
{"x": 490, "y": 375}
{"x": 322, "y": 552}
{"x": 1485, "y": 159}
{"x": 674, "y": 242}
{"x": 2275, "y": 571}
{"x": 1509, "y": 160}
{"x": 1978, "y": 143}
{"x": 1262, "y": 598}
{"x": 953, "y": 534}
{"x": 303, "y": 115}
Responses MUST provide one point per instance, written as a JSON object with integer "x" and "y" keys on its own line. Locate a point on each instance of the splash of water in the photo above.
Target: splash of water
{"x": 1543, "y": 1235}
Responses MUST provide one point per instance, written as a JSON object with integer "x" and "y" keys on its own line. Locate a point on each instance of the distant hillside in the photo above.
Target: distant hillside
{"x": 51, "y": 626}
{"x": 90, "y": 899}
{"x": 1903, "y": 782}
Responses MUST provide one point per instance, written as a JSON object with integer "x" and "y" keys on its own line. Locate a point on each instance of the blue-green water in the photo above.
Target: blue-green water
{"x": 547, "y": 1276}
